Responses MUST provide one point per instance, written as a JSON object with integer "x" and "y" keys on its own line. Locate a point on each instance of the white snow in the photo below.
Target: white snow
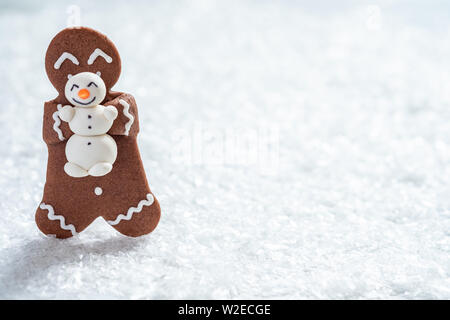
{"x": 297, "y": 151}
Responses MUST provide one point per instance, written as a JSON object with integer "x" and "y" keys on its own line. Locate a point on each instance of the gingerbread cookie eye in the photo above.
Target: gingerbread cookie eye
{"x": 98, "y": 53}
{"x": 65, "y": 56}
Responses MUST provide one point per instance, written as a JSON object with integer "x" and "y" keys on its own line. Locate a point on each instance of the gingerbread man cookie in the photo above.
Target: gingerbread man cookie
{"x": 94, "y": 167}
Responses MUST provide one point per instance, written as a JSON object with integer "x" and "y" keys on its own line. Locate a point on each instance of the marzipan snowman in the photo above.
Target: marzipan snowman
{"x": 90, "y": 151}
{"x": 105, "y": 178}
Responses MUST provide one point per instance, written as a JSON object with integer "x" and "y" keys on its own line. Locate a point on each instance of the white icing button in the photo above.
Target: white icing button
{"x": 98, "y": 191}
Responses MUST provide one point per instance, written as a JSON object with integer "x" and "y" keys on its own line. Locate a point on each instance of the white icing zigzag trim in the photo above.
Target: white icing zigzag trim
{"x": 126, "y": 112}
{"x": 57, "y": 123}
{"x": 62, "y": 221}
{"x": 64, "y": 56}
{"x": 98, "y": 53}
{"x": 148, "y": 202}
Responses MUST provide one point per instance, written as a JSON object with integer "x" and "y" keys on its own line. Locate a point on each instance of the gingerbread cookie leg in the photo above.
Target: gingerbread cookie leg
{"x": 54, "y": 223}
{"x": 130, "y": 206}
{"x": 140, "y": 219}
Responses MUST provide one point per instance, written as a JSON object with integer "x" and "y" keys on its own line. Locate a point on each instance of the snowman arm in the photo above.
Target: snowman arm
{"x": 110, "y": 112}
{"x": 127, "y": 121}
{"x": 66, "y": 113}
{"x": 53, "y": 129}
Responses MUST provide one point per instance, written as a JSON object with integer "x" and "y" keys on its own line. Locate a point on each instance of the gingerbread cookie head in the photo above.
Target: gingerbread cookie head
{"x": 77, "y": 50}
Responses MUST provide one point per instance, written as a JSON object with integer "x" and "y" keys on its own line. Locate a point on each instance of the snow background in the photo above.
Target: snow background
{"x": 356, "y": 204}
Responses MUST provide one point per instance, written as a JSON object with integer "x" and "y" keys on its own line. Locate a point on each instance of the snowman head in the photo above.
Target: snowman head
{"x": 85, "y": 89}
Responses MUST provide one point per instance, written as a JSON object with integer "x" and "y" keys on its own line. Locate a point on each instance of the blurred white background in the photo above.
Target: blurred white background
{"x": 298, "y": 150}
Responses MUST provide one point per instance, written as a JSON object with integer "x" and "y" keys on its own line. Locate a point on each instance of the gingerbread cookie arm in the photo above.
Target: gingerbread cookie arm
{"x": 127, "y": 121}
{"x": 54, "y": 130}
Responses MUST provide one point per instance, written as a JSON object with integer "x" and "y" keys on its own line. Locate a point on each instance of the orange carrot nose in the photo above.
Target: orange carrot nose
{"x": 84, "y": 93}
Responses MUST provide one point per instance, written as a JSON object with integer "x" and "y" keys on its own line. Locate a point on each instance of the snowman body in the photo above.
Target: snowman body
{"x": 90, "y": 150}
{"x": 90, "y": 144}
{"x": 87, "y": 151}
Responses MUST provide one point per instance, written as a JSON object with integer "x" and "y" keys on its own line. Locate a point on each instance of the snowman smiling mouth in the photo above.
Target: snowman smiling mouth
{"x": 84, "y": 103}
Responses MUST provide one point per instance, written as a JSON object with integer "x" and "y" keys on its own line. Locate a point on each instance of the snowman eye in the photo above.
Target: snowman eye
{"x": 73, "y": 86}
{"x": 92, "y": 83}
